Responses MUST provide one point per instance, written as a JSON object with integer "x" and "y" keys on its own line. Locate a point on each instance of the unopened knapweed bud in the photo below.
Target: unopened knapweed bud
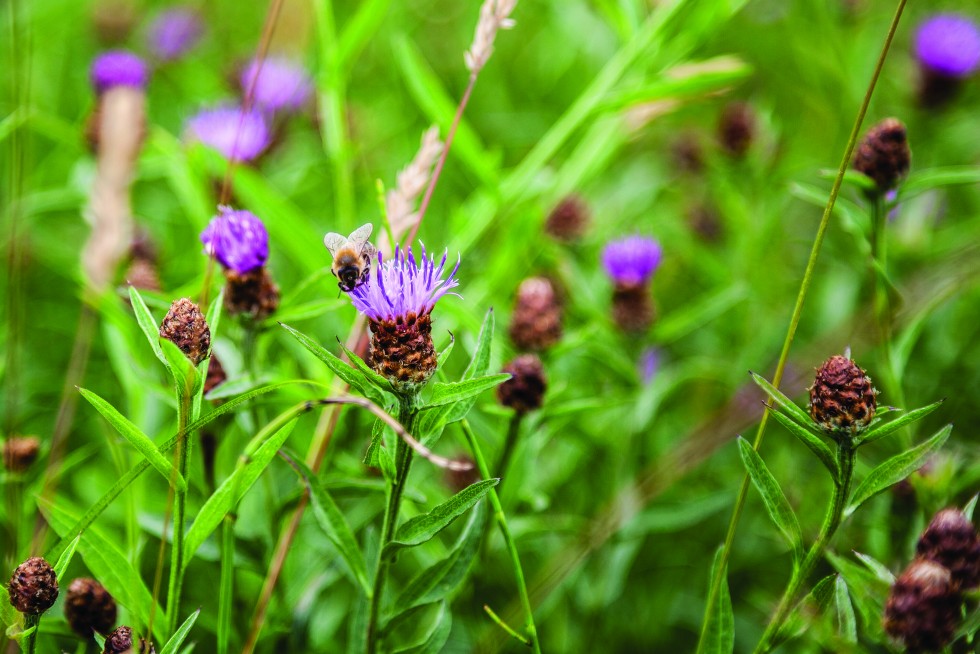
{"x": 947, "y": 47}
{"x": 536, "y": 321}
{"x": 253, "y": 294}
{"x": 630, "y": 263}
{"x": 89, "y": 607}
{"x": 951, "y": 540}
{"x": 19, "y": 452}
{"x": 736, "y": 128}
{"x": 525, "y": 389}
{"x": 216, "y": 374}
{"x": 185, "y": 327}
{"x": 842, "y": 398}
{"x": 688, "y": 155}
{"x": 142, "y": 274}
{"x": 923, "y": 609}
{"x": 33, "y": 587}
{"x": 122, "y": 641}
{"x": 884, "y": 155}
{"x": 568, "y": 220}
{"x": 398, "y": 299}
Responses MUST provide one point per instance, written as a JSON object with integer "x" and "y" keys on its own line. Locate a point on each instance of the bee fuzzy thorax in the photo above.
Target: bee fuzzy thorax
{"x": 351, "y": 257}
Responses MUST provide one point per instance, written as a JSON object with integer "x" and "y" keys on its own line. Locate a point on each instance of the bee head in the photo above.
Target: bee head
{"x": 349, "y": 276}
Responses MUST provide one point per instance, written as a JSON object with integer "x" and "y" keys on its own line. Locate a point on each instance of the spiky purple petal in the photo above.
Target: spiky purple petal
{"x": 632, "y": 260}
{"x": 401, "y": 286}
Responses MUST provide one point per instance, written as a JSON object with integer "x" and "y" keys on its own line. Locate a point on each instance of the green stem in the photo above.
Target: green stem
{"x": 832, "y": 520}
{"x": 794, "y": 322}
{"x": 500, "y": 517}
{"x": 513, "y": 430}
{"x": 180, "y": 509}
{"x": 30, "y": 641}
{"x": 227, "y": 582}
{"x": 403, "y": 464}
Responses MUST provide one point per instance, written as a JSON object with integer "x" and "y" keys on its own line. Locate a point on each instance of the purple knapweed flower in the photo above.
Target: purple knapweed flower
{"x": 400, "y": 287}
{"x": 173, "y": 32}
{"x": 631, "y": 261}
{"x": 237, "y": 134}
{"x": 277, "y": 84}
{"x": 118, "y": 68}
{"x": 237, "y": 239}
{"x": 949, "y": 44}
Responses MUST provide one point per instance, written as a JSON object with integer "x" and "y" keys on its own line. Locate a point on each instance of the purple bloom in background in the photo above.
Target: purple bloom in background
{"x": 649, "y": 364}
{"x": 632, "y": 261}
{"x": 235, "y": 133}
{"x": 237, "y": 239}
{"x": 173, "y": 32}
{"x": 281, "y": 84}
{"x": 400, "y": 287}
{"x": 118, "y": 68}
{"x": 948, "y": 44}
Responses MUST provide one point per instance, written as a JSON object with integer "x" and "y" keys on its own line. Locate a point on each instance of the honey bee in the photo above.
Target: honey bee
{"x": 351, "y": 256}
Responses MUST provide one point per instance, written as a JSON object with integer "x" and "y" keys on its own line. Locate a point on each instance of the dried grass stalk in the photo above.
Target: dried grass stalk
{"x": 122, "y": 121}
{"x": 412, "y": 180}
{"x": 494, "y": 16}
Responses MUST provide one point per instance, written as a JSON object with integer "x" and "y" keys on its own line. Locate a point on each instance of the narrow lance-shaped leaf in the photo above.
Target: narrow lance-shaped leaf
{"x": 812, "y": 441}
{"x": 437, "y": 636}
{"x": 137, "y": 438}
{"x": 889, "y": 428}
{"x": 65, "y": 558}
{"x": 423, "y": 527}
{"x": 719, "y": 626}
{"x": 799, "y": 415}
{"x": 452, "y": 392}
{"x": 173, "y": 645}
{"x": 147, "y": 323}
{"x": 772, "y": 496}
{"x": 896, "y": 469}
{"x": 845, "y": 611}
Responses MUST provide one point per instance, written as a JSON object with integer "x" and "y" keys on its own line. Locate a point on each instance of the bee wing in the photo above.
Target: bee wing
{"x": 368, "y": 250}
{"x": 360, "y": 235}
{"x": 334, "y": 242}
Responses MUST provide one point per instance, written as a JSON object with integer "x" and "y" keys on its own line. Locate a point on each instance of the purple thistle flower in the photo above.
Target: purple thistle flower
{"x": 400, "y": 287}
{"x": 235, "y": 133}
{"x": 173, "y": 32}
{"x": 280, "y": 84}
{"x": 118, "y": 68}
{"x": 948, "y": 44}
{"x": 237, "y": 239}
{"x": 631, "y": 261}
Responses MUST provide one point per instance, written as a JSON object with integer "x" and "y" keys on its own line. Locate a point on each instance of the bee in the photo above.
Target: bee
{"x": 351, "y": 256}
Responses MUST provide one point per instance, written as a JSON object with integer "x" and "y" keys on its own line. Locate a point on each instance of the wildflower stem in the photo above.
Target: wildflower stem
{"x": 500, "y": 517}
{"x": 845, "y": 457}
{"x": 184, "y": 407}
{"x": 403, "y": 464}
{"x": 513, "y": 430}
{"x": 794, "y": 322}
{"x": 30, "y": 641}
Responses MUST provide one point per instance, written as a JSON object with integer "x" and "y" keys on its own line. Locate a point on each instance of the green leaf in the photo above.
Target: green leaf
{"x": 845, "y": 611}
{"x": 812, "y": 441}
{"x": 149, "y": 325}
{"x": 437, "y": 636}
{"x": 374, "y": 378}
{"x": 440, "y": 579}
{"x": 896, "y": 469}
{"x": 182, "y": 369}
{"x": 350, "y": 375}
{"x": 772, "y": 496}
{"x": 815, "y": 603}
{"x": 233, "y": 489}
{"x": 181, "y": 634}
{"x": 423, "y": 527}
{"x": 137, "y": 438}
{"x": 452, "y": 392}
{"x": 334, "y": 525}
{"x": 877, "y": 568}
{"x": 107, "y": 564}
{"x": 65, "y": 558}
{"x": 930, "y": 178}
{"x": 446, "y": 351}
{"x": 719, "y": 626}
{"x": 787, "y": 405}
{"x": 480, "y": 361}
{"x": 213, "y": 316}
{"x": 888, "y": 428}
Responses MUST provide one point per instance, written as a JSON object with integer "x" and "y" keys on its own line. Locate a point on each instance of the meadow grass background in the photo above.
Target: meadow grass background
{"x": 620, "y": 491}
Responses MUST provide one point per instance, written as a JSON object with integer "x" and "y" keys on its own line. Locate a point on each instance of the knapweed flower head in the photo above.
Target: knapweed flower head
{"x": 33, "y": 588}
{"x": 951, "y": 540}
{"x": 89, "y": 607}
{"x": 400, "y": 287}
{"x": 923, "y": 608}
{"x": 842, "y": 397}
{"x": 173, "y": 32}
{"x": 237, "y": 239}
{"x": 118, "y": 68}
{"x": 884, "y": 154}
{"x": 277, "y": 84}
{"x": 948, "y": 44}
{"x": 631, "y": 261}
{"x": 398, "y": 299}
{"x": 235, "y": 133}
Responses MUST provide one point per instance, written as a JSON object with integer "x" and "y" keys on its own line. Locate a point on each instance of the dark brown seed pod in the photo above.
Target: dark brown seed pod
{"x": 842, "y": 398}
{"x": 89, "y": 607}
{"x": 923, "y": 608}
{"x": 951, "y": 540}
{"x": 33, "y": 587}
{"x": 536, "y": 323}
{"x": 568, "y": 220}
{"x": 884, "y": 154}
{"x": 20, "y": 452}
{"x": 185, "y": 327}
{"x": 253, "y": 294}
{"x": 524, "y": 391}
{"x": 402, "y": 350}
